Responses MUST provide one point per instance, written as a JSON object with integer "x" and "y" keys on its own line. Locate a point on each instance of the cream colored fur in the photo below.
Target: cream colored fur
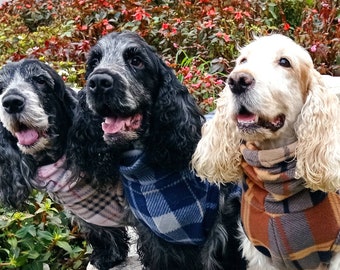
{"x": 312, "y": 116}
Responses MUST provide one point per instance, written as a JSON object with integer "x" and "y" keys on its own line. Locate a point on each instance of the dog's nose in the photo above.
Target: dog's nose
{"x": 13, "y": 103}
{"x": 100, "y": 82}
{"x": 240, "y": 82}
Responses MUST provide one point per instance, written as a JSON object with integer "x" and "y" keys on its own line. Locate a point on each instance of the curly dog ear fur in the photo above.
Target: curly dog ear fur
{"x": 176, "y": 123}
{"x": 318, "y": 133}
{"x": 217, "y": 157}
{"x": 14, "y": 187}
{"x": 65, "y": 94}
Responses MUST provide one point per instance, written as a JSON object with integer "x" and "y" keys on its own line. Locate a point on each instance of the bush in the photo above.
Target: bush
{"x": 41, "y": 235}
{"x": 197, "y": 38}
{"x": 206, "y": 32}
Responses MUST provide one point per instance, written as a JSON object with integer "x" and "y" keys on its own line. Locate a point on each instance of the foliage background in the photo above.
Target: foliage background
{"x": 197, "y": 38}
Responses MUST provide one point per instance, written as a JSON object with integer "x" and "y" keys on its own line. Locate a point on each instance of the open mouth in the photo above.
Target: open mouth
{"x": 249, "y": 121}
{"x": 115, "y": 124}
{"x": 27, "y": 136}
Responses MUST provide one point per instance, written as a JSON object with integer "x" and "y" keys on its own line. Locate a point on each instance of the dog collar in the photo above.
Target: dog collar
{"x": 297, "y": 228}
{"x": 95, "y": 206}
{"x": 176, "y": 206}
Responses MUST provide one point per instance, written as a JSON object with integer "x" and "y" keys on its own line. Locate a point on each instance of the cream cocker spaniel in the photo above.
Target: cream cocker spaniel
{"x": 277, "y": 128}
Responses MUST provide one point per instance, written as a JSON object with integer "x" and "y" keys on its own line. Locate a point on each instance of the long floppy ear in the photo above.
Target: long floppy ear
{"x": 65, "y": 94}
{"x": 14, "y": 181}
{"x": 217, "y": 157}
{"x": 176, "y": 123}
{"x": 318, "y": 133}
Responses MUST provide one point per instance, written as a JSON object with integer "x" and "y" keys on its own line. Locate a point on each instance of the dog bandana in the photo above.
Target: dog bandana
{"x": 99, "y": 207}
{"x": 177, "y": 206}
{"x": 296, "y": 227}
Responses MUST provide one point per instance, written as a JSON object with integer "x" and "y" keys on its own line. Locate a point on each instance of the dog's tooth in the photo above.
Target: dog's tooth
{"x": 247, "y": 118}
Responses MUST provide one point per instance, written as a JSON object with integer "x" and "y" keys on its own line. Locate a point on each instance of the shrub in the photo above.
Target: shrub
{"x": 41, "y": 235}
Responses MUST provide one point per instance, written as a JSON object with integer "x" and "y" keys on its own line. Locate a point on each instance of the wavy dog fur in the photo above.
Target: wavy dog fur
{"x": 144, "y": 106}
{"x": 275, "y": 85}
{"x": 312, "y": 118}
{"x": 38, "y": 111}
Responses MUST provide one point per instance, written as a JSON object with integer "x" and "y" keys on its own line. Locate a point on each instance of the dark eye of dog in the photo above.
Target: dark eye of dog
{"x": 39, "y": 80}
{"x": 136, "y": 62}
{"x": 93, "y": 63}
{"x": 243, "y": 60}
{"x": 284, "y": 62}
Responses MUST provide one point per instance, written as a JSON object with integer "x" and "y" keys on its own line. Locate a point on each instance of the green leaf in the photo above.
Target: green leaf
{"x": 30, "y": 229}
{"x": 33, "y": 266}
{"x": 45, "y": 235}
{"x": 64, "y": 245}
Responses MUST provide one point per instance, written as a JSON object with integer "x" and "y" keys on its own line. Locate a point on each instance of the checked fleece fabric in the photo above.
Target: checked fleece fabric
{"x": 296, "y": 227}
{"x": 176, "y": 205}
{"x": 99, "y": 207}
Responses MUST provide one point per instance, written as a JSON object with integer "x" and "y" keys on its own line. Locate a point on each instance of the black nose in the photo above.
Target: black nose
{"x": 13, "y": 103}
{"x": 100, "y": 82}
{"x": 240, "y": 82}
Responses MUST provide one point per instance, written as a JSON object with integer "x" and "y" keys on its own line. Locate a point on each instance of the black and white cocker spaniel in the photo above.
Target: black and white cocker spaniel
{"x": 37, "y": 112}
{"x": 153, "y": 121}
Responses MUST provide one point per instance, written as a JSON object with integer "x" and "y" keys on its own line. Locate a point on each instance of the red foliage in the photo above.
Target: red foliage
{"x": 63, "y": 31}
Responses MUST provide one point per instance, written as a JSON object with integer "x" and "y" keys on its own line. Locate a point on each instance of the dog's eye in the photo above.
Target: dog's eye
{"x": 284, "y": 62}
{"x": 39, "y": 80}
{"x": 243, "y": 60}
{"x": 136, "y": 62}
{"x": 94, "y": 62}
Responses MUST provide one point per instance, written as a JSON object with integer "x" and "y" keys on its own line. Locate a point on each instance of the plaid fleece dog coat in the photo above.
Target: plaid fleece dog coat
{"x": 297, "y": 228}
{"x": 177, "y": 206}
{"x": 104, "y": 208}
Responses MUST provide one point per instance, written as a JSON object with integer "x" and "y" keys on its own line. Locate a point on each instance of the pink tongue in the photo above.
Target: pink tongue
{"x": 113, "y": 124}
{"x": 27, "y": 137}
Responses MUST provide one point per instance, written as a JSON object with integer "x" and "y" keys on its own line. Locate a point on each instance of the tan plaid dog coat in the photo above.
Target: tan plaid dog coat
{"x": 296, "y": 227}
{"x": 102, "y": 207}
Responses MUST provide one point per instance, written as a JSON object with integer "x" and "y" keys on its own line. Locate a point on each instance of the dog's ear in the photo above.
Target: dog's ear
{"x": 176, "y": 123}
{"x": 65, "y": 94}
{"x": 14, "y": 184}
{"x": 318, "y": 133}
{"x": 217, "y": 157}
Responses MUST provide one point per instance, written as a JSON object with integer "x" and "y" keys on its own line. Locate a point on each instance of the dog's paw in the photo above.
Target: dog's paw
{"x": 91, "y": 267}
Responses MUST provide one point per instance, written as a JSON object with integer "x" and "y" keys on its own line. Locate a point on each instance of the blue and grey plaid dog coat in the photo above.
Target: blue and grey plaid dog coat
{"x": 177, "y": 206}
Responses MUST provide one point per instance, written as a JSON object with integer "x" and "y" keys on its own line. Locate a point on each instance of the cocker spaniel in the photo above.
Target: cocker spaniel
{"x": 38, "y": 112}
{"x": 277, "y": 128}
{"x": 150, "y": 117}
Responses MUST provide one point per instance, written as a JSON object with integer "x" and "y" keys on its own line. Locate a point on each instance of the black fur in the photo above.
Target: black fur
{"x": 87, "y": 153}
{"x": 126, "y": 79}
{"x": 14, "y": 189}
{"x": 34, "y": 97}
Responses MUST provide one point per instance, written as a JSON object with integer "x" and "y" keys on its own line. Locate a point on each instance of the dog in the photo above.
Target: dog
{"x": 153, "y": 121}
{"x": 276, "y": 128}
{"x": 37, "y": 112}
